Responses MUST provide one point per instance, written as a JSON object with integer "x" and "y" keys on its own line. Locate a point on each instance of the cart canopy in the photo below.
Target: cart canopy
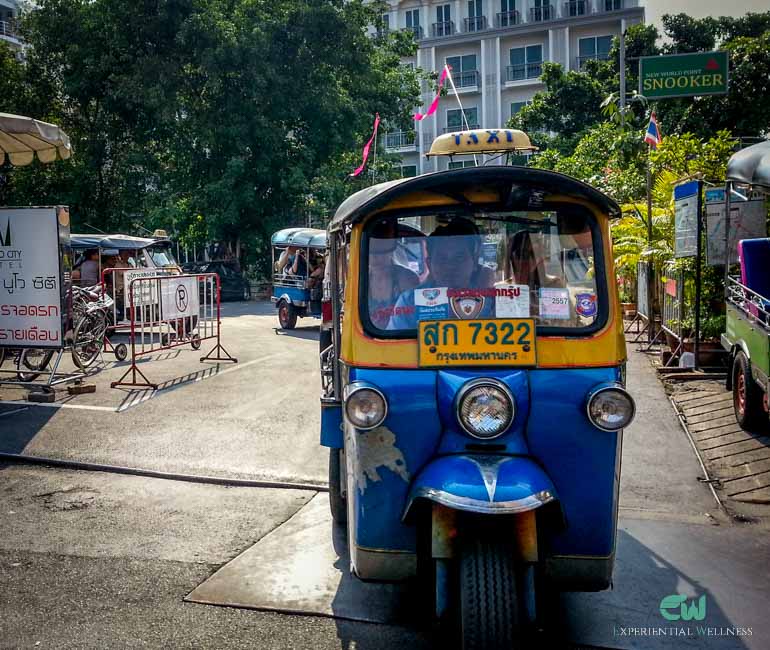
{"x": 301, "y": 237}
{"x": 120, "y": 242}
{"x": 22, "y": 138}
{"x": 751, "y": 166}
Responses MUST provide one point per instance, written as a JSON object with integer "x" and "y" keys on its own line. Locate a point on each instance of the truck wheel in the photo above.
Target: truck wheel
{"x": 747, "y": 396}
{"x": 337, "y": 502}
{"x": 489, "y": 614}
{"x": 287, "y": 315}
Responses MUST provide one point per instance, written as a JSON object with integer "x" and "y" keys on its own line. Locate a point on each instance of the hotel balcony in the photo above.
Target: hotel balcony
{"x": 401, "y": 141}
{"x": 475, "y": 24}
{"x": 580, "y": 61}
{"x": 446, "y": 28}
{"x": 542, "y": 14}
{"x": 573, "y": 8}
{"x": 507, "y": 19}
{"x": 524, "y": 71}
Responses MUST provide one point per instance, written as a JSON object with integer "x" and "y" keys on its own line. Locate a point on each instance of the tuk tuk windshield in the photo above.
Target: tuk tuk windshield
{"x": 537, "y": 265}
{"x": 161, "y": 256}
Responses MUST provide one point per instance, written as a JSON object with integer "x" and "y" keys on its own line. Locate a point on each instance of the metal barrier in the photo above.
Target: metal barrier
{"x": 170, "y": 311}
{"x": 672, "y": 290}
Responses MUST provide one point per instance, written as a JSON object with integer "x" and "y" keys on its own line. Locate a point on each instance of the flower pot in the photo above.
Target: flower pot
{"x": 629, "y": 309}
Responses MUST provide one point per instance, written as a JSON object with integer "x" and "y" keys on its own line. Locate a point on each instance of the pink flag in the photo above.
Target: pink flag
{"x": 434, "y": 104}
{"x": 368, "y": 145}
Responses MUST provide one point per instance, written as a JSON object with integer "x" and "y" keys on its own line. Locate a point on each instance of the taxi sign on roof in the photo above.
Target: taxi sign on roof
{"x": 481, "y": 141}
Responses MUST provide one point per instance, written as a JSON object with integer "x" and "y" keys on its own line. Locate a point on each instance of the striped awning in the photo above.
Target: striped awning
{"x": 22, "y": 138}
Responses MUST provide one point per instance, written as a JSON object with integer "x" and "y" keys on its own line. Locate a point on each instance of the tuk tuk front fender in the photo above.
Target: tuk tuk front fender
{"x": 497, "y": 485}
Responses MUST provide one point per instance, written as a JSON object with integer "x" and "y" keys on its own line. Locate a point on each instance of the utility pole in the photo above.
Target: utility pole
{"x": 622, "y": 102}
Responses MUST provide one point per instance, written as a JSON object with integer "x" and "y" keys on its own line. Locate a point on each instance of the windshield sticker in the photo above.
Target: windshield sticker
{"x": 512, "y": 301}
{"x": 467, "y": 306}
{"x": 431, "y": 303}
{"x": 585, "y": 304}
{"x": 554, "y": 304}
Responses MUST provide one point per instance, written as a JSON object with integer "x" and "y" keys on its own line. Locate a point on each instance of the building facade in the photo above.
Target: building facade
{"x": 496, "y": 49}
{"x": 9, "y": 10}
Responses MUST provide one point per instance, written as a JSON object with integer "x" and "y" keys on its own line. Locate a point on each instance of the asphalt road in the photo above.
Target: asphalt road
{"x": 94, "y": 560}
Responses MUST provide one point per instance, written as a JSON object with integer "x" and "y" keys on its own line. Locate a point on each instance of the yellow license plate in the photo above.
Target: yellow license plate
{"x": 489, "y": 342}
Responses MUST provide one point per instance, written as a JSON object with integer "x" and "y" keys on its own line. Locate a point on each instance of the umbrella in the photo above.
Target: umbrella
{"x": 22, "y": 137}
{"x": 751, "y": 166}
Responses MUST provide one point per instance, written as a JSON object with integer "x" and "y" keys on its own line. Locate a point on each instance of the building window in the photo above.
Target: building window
{"x": 443, "y": 25}
{"x": 613, "y": 5}
{"x": 526, "y": 63}
{"x": 413, "y": 22}
{"x": 463, "y": 69}
{"x": 407, "y": 171}
{"x": 516, "y": 107}
{"x": 455, "y": 122}
{"x": 594, "y": 47}
{"x": 508, "y": 16}
{"x": 461, "y": 164}
{"x": 476, "y": 21}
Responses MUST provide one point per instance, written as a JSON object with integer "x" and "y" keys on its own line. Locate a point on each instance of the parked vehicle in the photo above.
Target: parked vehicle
{"x": 473, "y": 404}
{"x": 233, "y": 284}
{"x": 297, "y": 287}
{"x": 747, "y": 336}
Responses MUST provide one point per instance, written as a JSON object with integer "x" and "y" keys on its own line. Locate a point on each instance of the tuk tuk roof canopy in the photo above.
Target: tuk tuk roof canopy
{"x": 302, "y": 237}
{"x": 22, "y": 138}
{"x": 518, "y": 188}
{"x": 120, "y": 242}
{"x": 751, "y": 166}
{"x": 477, "y": 141}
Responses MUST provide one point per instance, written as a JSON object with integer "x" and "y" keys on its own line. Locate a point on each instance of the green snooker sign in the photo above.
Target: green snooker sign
{"x": 683, "y": 75}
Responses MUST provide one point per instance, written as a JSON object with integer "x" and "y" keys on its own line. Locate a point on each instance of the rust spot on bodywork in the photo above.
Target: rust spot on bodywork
{"x": 377, "y": 448}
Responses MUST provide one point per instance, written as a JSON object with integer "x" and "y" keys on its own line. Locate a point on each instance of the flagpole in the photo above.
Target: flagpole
{"x": 374, "y": 159}
{"x": 460, "y": 104}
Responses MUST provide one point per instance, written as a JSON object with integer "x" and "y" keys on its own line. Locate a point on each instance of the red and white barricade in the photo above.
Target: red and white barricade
{"x": 169, "y": 311}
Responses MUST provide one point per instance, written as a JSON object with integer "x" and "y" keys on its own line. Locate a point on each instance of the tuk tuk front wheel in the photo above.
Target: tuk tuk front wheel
{"x": 747, "y": 396}
{"x": 287, "y": 315}
{"x": 489, "y": 608}
{"x": 337, "y": 503}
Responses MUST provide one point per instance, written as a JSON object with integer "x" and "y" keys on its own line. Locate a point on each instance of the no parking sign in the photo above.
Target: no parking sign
{"x": 179, "y": 297}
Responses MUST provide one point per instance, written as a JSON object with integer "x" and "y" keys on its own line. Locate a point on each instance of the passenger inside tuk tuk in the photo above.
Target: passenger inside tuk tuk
{"x": 531, "y": 264}
{"x": 387, "y": 279}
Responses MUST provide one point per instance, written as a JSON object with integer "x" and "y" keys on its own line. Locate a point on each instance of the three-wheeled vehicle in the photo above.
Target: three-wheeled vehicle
{"x": 474, "y": 409}
{"x": 747, "y": 336}
{"x": 298, "y": 261}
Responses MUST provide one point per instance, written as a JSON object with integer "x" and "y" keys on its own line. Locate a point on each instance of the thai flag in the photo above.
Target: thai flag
{"x": 652, "y": 137}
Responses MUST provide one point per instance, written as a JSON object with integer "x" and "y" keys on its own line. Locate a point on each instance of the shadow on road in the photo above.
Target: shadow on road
{"x": 309, "y": 333}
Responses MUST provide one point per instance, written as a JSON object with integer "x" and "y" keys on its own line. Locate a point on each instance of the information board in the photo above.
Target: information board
{"x": 686, "y": 219}
{"x": 35, "y": 277}
{"x": 684, "y": 75}
{"x": 747, "y": 221}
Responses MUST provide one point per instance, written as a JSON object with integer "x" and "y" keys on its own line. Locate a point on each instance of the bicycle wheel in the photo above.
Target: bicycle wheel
{"x": 88, "y": 339}
{"x": 31, "y": 363}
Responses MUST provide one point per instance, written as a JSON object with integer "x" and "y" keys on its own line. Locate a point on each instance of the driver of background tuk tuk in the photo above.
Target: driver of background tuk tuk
{"x": 453, "y": 262}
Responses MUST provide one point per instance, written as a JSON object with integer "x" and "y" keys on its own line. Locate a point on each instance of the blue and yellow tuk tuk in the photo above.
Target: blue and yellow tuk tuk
{"x": 298, "y": 267}
{"x": 473, "y": 395}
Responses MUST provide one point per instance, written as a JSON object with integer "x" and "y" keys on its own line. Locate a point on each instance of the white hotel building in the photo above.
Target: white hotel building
{"x": 495, "y": 49}
{"x": 9, "y": 10}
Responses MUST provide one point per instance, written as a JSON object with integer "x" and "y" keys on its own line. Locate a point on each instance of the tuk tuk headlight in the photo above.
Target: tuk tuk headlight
{"x": 611, "y": 408}
{"x": 365, "y": 406}
{"x": 485, "y": 408}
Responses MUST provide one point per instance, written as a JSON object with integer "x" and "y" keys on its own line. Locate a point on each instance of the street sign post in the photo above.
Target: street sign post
{"x": 684, "y": 75}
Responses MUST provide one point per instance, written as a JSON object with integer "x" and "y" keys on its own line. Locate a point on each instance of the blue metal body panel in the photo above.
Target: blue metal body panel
{"x": 331, "y": 426}
{"x": 582, "y": 460}
{"x": 567, "y": 455}
{"x": 295, "y": 294}
{"x": 489, "y": 484}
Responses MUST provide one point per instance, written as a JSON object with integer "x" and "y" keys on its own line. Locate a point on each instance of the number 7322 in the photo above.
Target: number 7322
{"x": 504, "y": 334}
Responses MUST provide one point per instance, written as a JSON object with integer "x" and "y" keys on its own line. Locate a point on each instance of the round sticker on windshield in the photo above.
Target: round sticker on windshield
{"x": 585, "y": 304}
